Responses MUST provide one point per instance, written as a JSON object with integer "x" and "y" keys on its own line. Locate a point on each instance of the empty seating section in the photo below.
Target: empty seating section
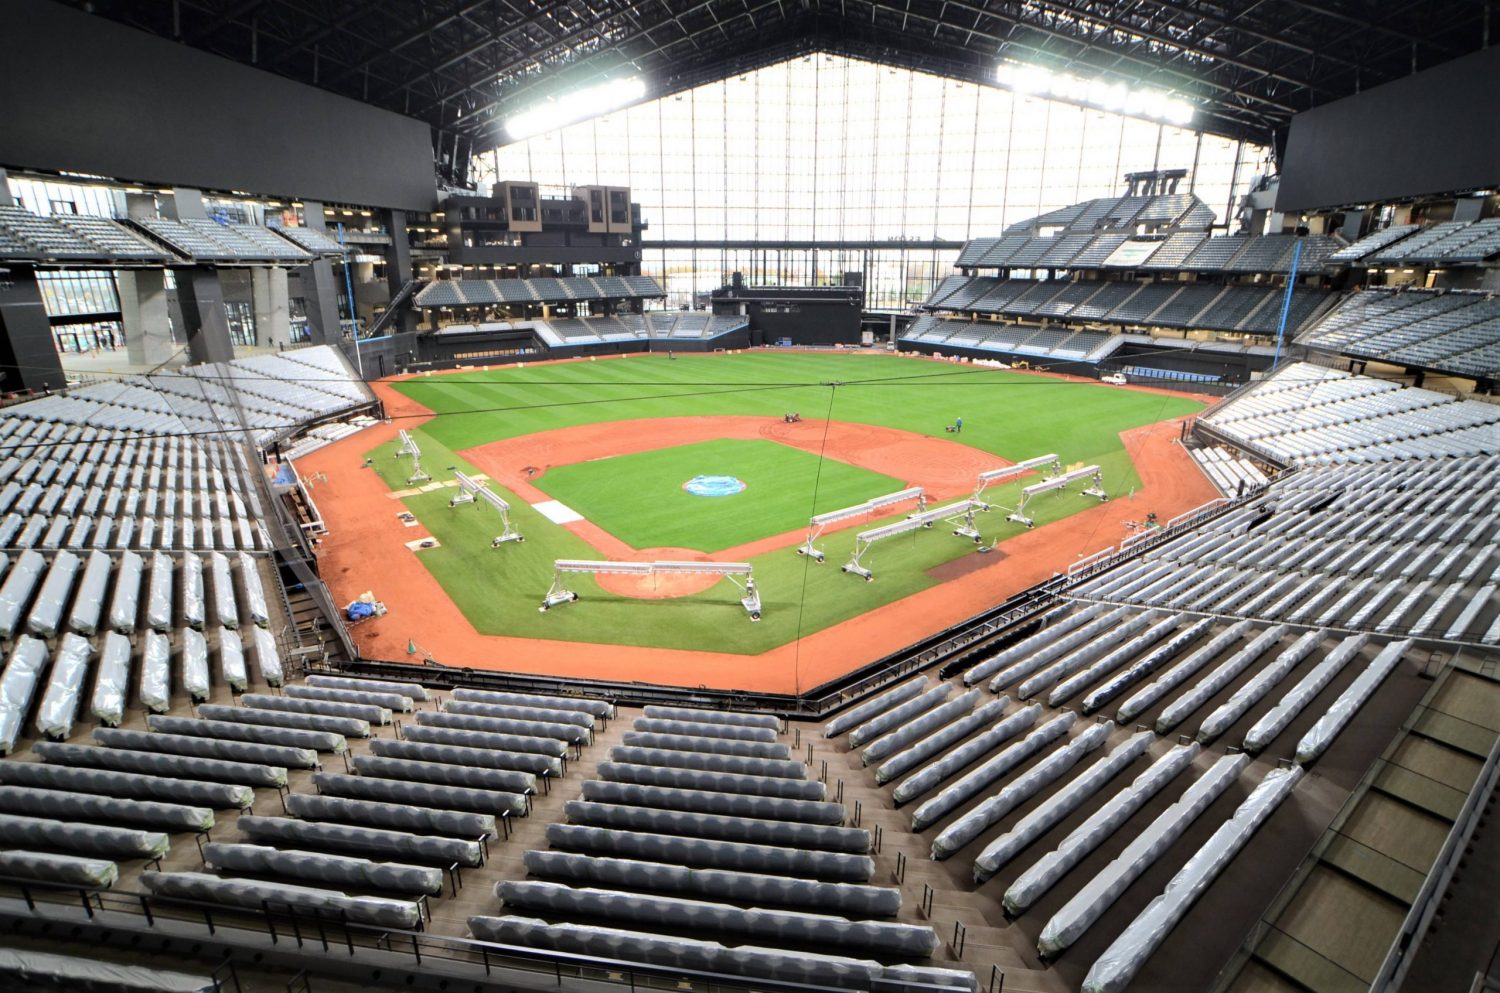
{"x": 1439, "y": 243}
{"x": 1455, "y": 332}
{"x": 28, "y": 236}
{"x": 1306, "y": 414}
{"x": 1175, "y": 250}
{"x": 1254, "y": 309}
{"x": 209, "y": 241}
{"x": 499, "y": 292}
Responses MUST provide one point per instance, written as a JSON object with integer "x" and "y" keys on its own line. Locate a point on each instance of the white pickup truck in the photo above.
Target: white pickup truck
{"x": 1114, "y": 379}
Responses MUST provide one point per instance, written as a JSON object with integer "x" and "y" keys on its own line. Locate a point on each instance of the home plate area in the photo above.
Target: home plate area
{"x": 557, "y": 512}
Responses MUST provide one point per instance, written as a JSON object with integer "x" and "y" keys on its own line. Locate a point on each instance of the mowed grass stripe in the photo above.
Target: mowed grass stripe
{"x": 640, "y": 500}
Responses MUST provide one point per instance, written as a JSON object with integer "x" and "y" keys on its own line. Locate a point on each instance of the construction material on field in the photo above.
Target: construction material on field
{"x": 409, "y": 449}
{"x": 469, "y": 490}
{"x": 1094, "y": 489}
{"x": 1049, "y": 465}
{"x": 960, "y": 515}
{"x": 560, "y": 594}
{"x": 816, "y": 525}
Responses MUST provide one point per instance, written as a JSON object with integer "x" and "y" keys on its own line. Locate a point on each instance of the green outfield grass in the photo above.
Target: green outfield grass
{"x": 1014, "y": 416}
{"x": 640, "y": 500}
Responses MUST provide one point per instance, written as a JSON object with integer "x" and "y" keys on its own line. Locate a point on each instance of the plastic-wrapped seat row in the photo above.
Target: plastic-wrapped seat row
{"x": 715, "y": 746}
{"x": 1020, "y": 789}
{"x": 85, "y": 839}
{"x": 349, "y": 727}
{"x": 1321, "y": 734}
{"x": 1146, "y": 665}
{"x": 965, "y": 788}
{"x": 226, "y": 610}
{"x": 193, "y": 612}
{"x": 1047, "y": 635}
{"x": 15, "y": 592}
{"x": 255, "y": 594}
{"x": 698, "y": 729}
{"x": 898, "y": 715}
{"x": 23, "y": 670}
{"x": 89, "y": 602}
{"x": 1221, "y": 676}
{"x": 327, "y": 708}
{"x": 1106, "y": 645}
{"x": 854, "y": 899}
{"x": 1096, "y": 895}
{"x": 1114, "y": 969}
{"x": 1181, "y": 672}
{"x": 714, "y": 717}
{"x": 201, "y": 887}
{"x": 1063, "y": 801}
{"x": 708, "y": 762}
{"x": 546, "y": 715}
{"x": 587, "y": 705}
{"x": 363, "y": 840}
{"x": 720, "y": 827}
{"x": 1113, "y": 660}
{"x": 155, "y": 691}
{"x": 945, "y": 735}
{"x": 290, "y": 756}
{"x": 487, "y": 758}
{"x": 74, "y": 870}
{"x": 90, "y": 806}
{"x": 717, "y": 782}
{"x": 1275, "y": 721}
{"x": 878, "y": 705}
{"x": 395, "y": 702}
{"x": 504, "y": 780}
{"x": 704, "y": 802}
{"x": 161, "y": 764}
{"x": 59, "y": 706}
{"x": 231, "y": 660}
{"x": 344, "y": 870}
{"x": 124, "y": 605}
{"x": 901, "y": 736}
{"x": 681, "y": 953}
{"x": 47, "y": 612}
{"x": 159, "y": 594}
{"x": 435, "y": 795}
{"x": 1220, "y": 720}
{"x": 107, "y": 782}
{"x": 195, "y": 677}
{"x": 413, "y": 690}
{"x": 939, "y": 770}
{"x": 432, "y": 734}
{"x": 696, "y": 916}
{"x": 268, "y": 659}
{"x": 398, "y": 816}
{"x": 571, "y": 733}
{"x": 702, "y": 853}
{"x": 318, "y": 741}
{"x": 1028, "y": 664}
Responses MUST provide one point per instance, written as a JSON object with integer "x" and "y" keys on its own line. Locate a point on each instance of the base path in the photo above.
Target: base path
{"x": 365, "y": 535}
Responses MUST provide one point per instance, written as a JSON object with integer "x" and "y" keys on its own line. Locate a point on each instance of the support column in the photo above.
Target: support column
{"x": 199, "y": 295}
{"x": 319, "y": 288}
{"x": 143, "y": 312}
{"x": 28, "y": 353}
{"x": 398, "y": 269}
{"x": 268, "y": 295}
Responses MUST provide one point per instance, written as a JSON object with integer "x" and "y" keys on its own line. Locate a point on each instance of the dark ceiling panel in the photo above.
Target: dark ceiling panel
{"x": 465, "y": 65}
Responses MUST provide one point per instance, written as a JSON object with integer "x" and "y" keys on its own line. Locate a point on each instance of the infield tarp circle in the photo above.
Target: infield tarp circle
{"x": 714, "y": 486}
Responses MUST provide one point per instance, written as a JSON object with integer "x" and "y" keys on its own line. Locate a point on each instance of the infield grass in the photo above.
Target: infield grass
{"x": 640, "y": 500}
{"x": 1012, "y": 415}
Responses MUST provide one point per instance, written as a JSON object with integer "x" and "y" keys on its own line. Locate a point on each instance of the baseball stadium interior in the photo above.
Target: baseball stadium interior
{"x": 749, "y": 496}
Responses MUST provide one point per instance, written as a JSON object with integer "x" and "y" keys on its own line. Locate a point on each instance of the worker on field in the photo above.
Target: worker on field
{"x": 958, "y": 426}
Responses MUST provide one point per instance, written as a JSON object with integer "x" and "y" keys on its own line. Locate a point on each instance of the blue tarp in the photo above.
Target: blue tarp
{"x": 359, "y": 610}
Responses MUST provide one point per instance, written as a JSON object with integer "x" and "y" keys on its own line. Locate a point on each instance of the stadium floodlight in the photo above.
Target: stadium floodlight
{"x": 591, "y": 101}
{"x": 1133, "y": 101}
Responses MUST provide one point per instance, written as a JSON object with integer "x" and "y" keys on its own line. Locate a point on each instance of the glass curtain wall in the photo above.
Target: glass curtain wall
{"x": 775, "y": 173}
